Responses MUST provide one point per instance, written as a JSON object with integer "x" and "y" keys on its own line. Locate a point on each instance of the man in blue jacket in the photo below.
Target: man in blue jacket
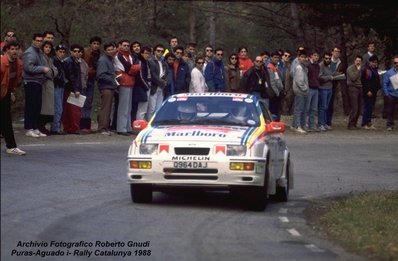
{"x": 214, "y": 73}
{"x": 370, "y": 80}
{"x": 182, "y": 74}
{"x": 390, "y": 87}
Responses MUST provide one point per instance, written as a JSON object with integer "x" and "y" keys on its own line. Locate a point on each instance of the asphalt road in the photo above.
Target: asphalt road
{"x": 72, "y": 190}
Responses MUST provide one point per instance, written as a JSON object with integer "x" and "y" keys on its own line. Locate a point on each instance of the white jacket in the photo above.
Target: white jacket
{"x": 197, "y": 84}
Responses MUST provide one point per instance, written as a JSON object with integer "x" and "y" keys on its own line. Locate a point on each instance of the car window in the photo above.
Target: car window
{"x": 266, "y": 113}
{"x": 208, "y": 111}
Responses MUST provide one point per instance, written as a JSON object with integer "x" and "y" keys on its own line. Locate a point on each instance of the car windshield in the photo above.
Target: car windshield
{"x": 205, "y": 110}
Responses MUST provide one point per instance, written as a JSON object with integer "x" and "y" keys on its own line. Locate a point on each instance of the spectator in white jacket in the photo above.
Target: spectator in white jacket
{"x": 198, "y": 84}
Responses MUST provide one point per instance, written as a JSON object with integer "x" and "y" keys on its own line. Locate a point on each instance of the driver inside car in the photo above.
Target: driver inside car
{"x": 240, "y": 114}
{"x": 186, "y": 111}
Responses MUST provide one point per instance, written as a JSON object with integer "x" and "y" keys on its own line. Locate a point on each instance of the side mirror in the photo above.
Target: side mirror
{"x": 275, "y": 127}
{"x": 139, "y": 125}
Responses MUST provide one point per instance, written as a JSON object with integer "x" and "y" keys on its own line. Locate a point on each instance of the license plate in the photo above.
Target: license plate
{"x": 189, "y": 165}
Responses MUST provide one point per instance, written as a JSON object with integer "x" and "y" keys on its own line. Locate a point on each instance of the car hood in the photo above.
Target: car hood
{"x": 220, "y": 134}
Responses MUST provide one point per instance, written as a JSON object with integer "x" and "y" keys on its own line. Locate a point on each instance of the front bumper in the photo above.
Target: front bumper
{"x": 217, "y": 173}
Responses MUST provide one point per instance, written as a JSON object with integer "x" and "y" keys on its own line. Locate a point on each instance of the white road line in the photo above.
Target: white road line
{"x": 294, "y": 232}
{"x": 88, "y": 143}
{"x": 47, "y": 144}
{"x": 282, "y": 210}
{"x": 284, "y": 219}
{"x": 314, "y": 248}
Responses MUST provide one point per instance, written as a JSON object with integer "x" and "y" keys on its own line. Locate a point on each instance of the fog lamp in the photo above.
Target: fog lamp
{"x": 244, "y": 166}
{"x": 140, "y": 164}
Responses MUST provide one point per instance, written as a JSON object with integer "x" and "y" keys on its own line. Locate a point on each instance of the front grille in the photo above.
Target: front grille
{"x": 191, "y": 151}
{"x": 190, "y": 177}
{"x": 196, "y": 171}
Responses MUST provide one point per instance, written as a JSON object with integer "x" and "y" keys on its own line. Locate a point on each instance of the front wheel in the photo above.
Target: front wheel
{"x": 258, "y": 196}
{"x": 141, "y": 193}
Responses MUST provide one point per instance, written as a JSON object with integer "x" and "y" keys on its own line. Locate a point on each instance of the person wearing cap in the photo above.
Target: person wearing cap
{"x": 59, "y": 84}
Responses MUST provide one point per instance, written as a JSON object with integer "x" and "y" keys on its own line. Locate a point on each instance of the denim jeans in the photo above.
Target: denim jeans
{"x": 368, "y": 105}
{"x": 330, "y": 109}
{"x": 123, "y": 122}
{"x": 154, "y": 102}
{"x": 142, "y": 109}
{"x": 58, "y": 109}
{"x": 323, "y": 105}
{"x": 311, "y": 107}
{"x": 299, "y": 111}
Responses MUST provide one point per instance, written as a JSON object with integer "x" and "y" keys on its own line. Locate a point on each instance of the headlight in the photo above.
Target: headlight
{"x": 148, "y": 149}
{"x": 236, "y": 150}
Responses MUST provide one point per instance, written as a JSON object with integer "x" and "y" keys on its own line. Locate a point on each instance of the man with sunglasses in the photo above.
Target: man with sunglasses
{"x": 214, "y": 73}
{"x": 198, "y": 84}
{"x": 325, "y": 90}
{"x": 287, "y": 100}
{"x": 158, "y": 70}
{"x": 257, "y": 81}
{"x": 182, "y": 74}
{"x": 208, "y": 54}
{"x": 390, "y": 87}
{"x": 73, "y": 75}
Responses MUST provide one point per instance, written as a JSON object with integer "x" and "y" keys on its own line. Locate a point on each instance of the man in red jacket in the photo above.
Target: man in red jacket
{"x": 126, "y": 72}
{"x": 11, "y": 77}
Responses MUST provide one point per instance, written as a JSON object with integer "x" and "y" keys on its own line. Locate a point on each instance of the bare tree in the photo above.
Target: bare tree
{"x": 212, "y": 24}
{"x": 192, "y": 22}
{"x": 297, "y": 23}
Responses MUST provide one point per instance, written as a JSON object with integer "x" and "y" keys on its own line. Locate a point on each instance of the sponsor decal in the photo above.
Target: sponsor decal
{"x": 198, "y": 158}
{"x": 199, "y": 128}
{"x": 195, "y": 133}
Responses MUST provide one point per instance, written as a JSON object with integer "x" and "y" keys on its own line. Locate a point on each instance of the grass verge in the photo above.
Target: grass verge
{"x": 366, "y": 224}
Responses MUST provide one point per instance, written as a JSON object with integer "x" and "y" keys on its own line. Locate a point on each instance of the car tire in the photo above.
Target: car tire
{"x": 282, "y": 193}
{"x": 141, "y": 193}
{"x": 258, "y": 196}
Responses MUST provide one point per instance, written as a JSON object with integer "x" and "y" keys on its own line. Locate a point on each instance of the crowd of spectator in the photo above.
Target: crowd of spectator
{"x": 133, "y": 80}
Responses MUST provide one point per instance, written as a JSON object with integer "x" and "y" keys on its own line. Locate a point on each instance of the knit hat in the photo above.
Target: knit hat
{"x": 60, "y": 47}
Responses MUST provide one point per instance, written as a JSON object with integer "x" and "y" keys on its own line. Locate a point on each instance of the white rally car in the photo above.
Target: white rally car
{"x": 217, "y": 141}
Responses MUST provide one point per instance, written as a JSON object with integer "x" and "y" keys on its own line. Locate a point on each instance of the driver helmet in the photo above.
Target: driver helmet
{"x": 186, "y": 111}
{"x": 240, "y": 113}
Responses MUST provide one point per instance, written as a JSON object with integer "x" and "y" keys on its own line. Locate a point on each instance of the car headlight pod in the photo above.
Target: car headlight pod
{"x": 148, "y": 149}
{"x": 236, "y": 150}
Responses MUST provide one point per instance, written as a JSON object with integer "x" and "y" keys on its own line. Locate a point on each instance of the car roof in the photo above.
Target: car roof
{"x": 214, "y": 94}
